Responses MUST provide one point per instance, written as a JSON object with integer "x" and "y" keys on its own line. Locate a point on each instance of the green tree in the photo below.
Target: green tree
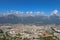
{"x": 1, "y": 31}
{"x": 25, "y": 39}
{"x": 40, "y": 37}
{"x": 48, "y": 38}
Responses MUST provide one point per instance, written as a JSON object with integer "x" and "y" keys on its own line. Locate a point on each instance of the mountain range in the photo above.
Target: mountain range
{"x": 29, "y": 19}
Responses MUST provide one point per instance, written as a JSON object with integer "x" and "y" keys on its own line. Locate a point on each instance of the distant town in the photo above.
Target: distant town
{"x": 29, "y": 32}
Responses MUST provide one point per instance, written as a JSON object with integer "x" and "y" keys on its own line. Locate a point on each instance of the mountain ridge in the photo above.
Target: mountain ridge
{"x": 37, "y": 19}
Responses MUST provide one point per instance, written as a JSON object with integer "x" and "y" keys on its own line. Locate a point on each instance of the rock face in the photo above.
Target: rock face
{"x": 41, "y": 19}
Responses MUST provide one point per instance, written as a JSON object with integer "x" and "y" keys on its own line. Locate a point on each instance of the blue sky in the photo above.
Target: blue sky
{"x": 46, "y": 6}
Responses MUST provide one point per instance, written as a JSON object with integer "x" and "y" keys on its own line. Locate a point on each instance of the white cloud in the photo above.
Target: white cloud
{"x": 30, "y": 12}
{"x": 54, "y": 12}
{"x": 27, "y": 12}
{"x": 17, "y": 12}
{"x": 38, "y": 12}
